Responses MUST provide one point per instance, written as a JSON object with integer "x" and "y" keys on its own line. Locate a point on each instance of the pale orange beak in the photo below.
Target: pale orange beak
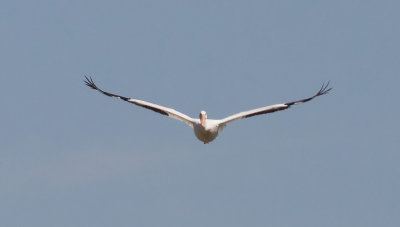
{"x": 203, "y": 117}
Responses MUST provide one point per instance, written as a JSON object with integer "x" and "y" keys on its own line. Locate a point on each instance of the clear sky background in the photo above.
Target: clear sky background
{"x": 70, "y": 156}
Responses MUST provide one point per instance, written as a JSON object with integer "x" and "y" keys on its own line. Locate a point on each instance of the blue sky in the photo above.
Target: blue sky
{"x": 73, "y": 157}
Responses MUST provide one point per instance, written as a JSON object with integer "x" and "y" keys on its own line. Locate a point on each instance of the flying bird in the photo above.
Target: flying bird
{"x": 206, "y": 130}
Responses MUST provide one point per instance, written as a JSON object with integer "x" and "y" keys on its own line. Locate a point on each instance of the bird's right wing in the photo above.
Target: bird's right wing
{"x": 272, "y": 108}
{"x": 151, "y": 106}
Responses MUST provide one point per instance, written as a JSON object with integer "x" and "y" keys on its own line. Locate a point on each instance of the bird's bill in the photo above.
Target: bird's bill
{"x": 203, "y": 118}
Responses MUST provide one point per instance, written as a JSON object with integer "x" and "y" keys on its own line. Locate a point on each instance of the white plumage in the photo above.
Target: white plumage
{"x": 206, "y": 130}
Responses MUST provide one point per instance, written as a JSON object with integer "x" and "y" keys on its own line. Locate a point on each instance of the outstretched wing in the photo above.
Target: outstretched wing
{"x": 272, "y": 108}
{"x": 151, "y": 106}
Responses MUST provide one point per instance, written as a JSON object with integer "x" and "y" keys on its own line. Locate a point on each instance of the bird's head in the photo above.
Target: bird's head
{"x": 203, "y": 118}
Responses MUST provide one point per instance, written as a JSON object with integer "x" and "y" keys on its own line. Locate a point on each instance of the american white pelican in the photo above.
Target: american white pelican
{"x": 206, "y": 130}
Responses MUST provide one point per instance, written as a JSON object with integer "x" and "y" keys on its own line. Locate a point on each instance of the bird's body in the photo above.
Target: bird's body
{"x": 206, "y": 130}
{"x": 209, "y": 132}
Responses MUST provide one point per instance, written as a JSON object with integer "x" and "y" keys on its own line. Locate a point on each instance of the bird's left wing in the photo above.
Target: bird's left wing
{"x": 151, "y": 106}
{"x": 272, "y": 108}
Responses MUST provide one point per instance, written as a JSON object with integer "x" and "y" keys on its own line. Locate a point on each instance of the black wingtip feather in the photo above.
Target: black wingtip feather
{"x": 322, "y": 91}
{"x": 89, "y": 82}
